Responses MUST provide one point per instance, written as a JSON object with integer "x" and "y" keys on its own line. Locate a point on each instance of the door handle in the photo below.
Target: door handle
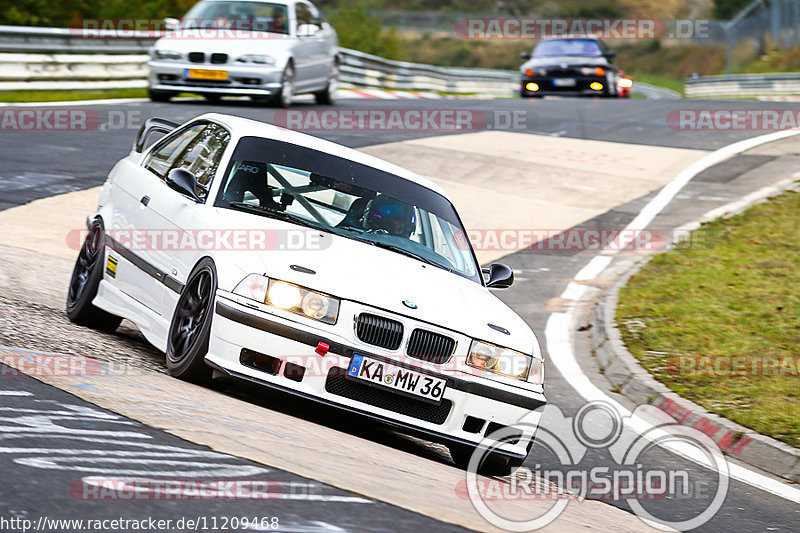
{"x": 145, "y": 200}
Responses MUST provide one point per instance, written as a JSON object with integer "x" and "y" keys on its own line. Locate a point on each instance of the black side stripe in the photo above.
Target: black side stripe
{"x": 149, "y": 269}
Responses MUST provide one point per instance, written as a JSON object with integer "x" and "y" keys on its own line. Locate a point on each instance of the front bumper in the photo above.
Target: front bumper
{"x": 548, "y": 86}
{"x": 244, "y": 79}
{"x": 471, "y": 406}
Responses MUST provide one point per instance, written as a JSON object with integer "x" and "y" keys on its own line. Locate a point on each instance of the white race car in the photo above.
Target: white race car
{"x": 246, "y": 251}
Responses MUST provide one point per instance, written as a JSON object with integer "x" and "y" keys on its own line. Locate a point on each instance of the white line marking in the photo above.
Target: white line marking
{"x": 559, "y": 325}
{"x": 14, "y": 393}
{"x": 102, "y": 101}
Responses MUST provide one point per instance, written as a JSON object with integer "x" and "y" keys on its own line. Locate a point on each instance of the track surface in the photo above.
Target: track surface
{"x": 42, "y": 164}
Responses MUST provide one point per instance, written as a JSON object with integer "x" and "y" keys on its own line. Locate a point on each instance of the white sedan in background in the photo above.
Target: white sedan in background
{"x": 269, "y": 50}
{"x": 249, "y": 252}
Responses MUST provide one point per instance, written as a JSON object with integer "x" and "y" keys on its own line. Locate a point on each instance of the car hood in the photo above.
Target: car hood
{"x": 382, "y": 278}
{"x": 556, "y": 61}
{"x": 225, "y": 41}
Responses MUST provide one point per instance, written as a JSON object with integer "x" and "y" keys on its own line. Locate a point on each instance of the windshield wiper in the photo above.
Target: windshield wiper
{"x": 280, "y": 215}
{"x": 407, "y": 253}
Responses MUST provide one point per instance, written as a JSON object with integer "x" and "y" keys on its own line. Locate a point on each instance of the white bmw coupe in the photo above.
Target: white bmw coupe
{"x": 249, "y": 252}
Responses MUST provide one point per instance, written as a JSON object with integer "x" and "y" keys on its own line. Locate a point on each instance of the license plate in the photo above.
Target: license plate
{"x": 564, "y": 82}
{"x": 203, "y": 74}
{"x": 398, "y": 379}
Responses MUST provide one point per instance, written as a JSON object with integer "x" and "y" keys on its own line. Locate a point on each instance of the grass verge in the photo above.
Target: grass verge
{"x": 64, "y": 96}
{"x": 731, "y": 290}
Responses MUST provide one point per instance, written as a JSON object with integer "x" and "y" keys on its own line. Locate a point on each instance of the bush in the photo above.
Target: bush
{"x": 357, "y": 30}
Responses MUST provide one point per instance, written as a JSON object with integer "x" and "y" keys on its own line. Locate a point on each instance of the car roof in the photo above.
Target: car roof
{"x": 245, "y": 127}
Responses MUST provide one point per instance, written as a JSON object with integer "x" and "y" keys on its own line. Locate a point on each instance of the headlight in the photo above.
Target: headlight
{"x": 589, "y": 71}
{"x": 536, "y": 374}
{"x": 289, "y": 297}
{"x": 283, "y": 295}
{"x": 257, "y": 59}
{"x": 540, "y": 71}
{"x": 254, "y": 287}
{"x": 167, "y": 54}
{"x": 503, "y": 361}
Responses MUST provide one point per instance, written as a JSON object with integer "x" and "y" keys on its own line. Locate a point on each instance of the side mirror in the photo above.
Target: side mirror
{"x": 525, "y": 55}
{"x": 184, "y": 182}
{"x": 610, "y": 55}
{"x": 172, "y": 24}
{"x": 500, "y": 276}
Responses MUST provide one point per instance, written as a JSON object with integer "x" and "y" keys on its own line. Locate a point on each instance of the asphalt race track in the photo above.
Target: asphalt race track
{"x": 42, "y": 426}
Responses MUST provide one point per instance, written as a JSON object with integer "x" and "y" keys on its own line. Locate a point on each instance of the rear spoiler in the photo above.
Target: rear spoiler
{"x": 152, "y": 125}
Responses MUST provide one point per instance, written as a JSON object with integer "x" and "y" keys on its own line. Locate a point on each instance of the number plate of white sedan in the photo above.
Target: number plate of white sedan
{"x": 396, "y": 378}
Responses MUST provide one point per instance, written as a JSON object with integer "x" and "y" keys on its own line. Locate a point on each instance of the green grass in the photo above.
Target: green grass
{"x": 63, "y": 96}
{"x": 660, "y": 81}
{"x": 732, "y": 290}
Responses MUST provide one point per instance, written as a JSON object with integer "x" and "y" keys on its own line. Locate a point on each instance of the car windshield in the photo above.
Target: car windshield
{"x": 289, "y": 182}
{"x": 568, "y": 47}
{"x": 233, "y": 15}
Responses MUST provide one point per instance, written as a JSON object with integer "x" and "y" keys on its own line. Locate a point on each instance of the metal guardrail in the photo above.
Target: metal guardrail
{"x": 365, "y": 70}
{"x": 744, "y": 85}
{"x": 30, "y": 39}
{"x": 60, "y": 58}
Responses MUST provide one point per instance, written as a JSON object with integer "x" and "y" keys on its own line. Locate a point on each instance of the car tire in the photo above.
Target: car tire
{"x": 284, "y": 97}
{"x": 159, "y": 96}
{"x": 190, "y": 328}
{"x": 328, "y": 95}
{"x": 493, "y": 464}
{"x": 85, "y": 279}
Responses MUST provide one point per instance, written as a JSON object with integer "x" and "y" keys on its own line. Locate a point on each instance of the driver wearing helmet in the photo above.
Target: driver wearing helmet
{"x": 384, "y": 213}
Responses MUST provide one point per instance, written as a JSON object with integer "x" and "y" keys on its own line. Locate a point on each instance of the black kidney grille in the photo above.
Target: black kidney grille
{"x": 219, "y": 59}
{"x": 197, "y": 57}
{"x": 430, "y": 346}
{"x": 379, "y": 331}
{"x": 337, "y": 383}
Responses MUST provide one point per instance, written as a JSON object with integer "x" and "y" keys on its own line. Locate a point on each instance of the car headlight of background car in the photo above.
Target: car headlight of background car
{"x": 540, "y": 72}
{"x": 506, "y": 362}
{"x": 596, "y": 71}
{"x": 289, "y": 297}
{"x": 258, "y": 59}
{"x": 167, "y": 54}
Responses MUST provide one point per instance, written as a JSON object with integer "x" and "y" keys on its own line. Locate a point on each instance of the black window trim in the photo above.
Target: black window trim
{"x": 176, "y": 133}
